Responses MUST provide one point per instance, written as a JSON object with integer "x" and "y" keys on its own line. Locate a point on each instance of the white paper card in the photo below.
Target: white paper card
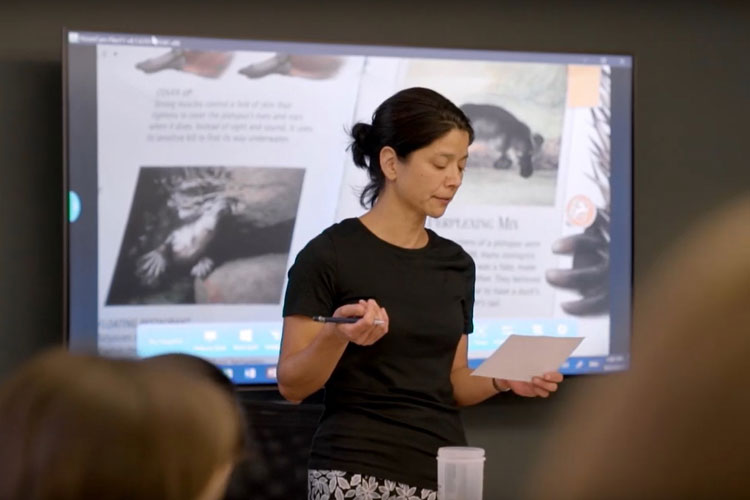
{"x": 522, "y": 357}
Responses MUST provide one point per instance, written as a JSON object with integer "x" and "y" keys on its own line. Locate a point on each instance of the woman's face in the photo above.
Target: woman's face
{"x": 429, "y": 177}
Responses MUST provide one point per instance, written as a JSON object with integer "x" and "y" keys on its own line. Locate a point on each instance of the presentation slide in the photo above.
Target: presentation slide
{"x": 216, "y": 161}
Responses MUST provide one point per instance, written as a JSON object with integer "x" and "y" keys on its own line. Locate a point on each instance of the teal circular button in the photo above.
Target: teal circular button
{"x": 74, "y": 206}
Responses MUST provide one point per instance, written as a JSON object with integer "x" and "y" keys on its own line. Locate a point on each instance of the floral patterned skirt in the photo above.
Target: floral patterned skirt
{"x": 338, "y": 485}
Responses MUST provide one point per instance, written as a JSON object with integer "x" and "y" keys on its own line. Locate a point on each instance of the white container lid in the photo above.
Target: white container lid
{"x": 460, "y": 453}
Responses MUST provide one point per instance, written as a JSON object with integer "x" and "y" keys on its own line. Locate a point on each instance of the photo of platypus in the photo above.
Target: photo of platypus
{"x": 505, "y": 138}
{"x": 186, "y": 245}
{"x": 189, "y": 225}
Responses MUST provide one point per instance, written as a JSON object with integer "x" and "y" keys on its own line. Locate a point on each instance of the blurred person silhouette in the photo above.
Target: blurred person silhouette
{"x": 80, "y": 426}
{"x": 675, "y": 426}
{"x": 249, "y": 478}
{"x": 196, "y": 366}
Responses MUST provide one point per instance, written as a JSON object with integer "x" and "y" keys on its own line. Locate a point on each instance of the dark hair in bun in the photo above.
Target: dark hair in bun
{"x": 409, "y": 120}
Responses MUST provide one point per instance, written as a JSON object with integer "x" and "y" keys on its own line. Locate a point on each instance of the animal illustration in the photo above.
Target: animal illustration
{"x": 311, "y": 66}
{"x": 591, "y": 248}
{"x": 208, "y": 64}
{"x": 506, "y": 139}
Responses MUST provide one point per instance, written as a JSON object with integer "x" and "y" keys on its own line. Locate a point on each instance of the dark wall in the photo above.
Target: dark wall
{"x": 690, "y": 128}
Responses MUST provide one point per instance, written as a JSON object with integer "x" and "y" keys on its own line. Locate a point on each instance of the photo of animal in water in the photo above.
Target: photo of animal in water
{"x": 207, "y": 235}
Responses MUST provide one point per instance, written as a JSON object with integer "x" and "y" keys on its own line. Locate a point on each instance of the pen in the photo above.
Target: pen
{"x": 329, "y": 319}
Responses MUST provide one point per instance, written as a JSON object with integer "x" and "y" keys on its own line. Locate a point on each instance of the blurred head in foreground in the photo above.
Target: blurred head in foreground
{"x": 675, "y": 425}
{"x": 193, "y": 365}
{"x": 76, "y": 426}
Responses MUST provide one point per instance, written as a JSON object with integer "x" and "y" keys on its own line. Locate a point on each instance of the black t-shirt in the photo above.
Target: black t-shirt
{"x": 388, "y": 406}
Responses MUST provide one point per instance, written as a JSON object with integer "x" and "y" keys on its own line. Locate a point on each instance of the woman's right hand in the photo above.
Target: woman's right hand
{"x": 364, "y": 331}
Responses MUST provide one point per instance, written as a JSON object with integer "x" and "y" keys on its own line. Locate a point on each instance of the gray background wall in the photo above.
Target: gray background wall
{"x": 690, "y": 131}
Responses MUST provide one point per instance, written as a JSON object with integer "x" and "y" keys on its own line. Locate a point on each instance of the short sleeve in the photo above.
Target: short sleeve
{"x": 468, "y": 300}
{"x": 311, "y": 288}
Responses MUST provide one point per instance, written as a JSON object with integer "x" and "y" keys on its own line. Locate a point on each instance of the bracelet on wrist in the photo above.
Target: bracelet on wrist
{"x": 497, "y": 386}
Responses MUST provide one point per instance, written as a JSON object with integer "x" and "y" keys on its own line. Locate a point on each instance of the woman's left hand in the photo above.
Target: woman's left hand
{"x": 538, "y": 387}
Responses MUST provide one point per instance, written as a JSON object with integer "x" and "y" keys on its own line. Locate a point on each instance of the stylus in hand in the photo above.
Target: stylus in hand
{"x": 330, "y": 319}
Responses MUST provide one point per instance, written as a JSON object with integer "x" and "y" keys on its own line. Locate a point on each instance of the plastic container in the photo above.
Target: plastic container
{"x": 460, "y": 473}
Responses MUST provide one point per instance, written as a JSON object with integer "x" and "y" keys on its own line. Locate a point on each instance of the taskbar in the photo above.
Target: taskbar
{"x": 581, "y": 365}
{"x": 260, "y": 374}
{"x": 250, "y": 374}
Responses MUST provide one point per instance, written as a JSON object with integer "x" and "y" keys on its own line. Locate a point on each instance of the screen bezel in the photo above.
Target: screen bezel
{"x": 66, "y": 292}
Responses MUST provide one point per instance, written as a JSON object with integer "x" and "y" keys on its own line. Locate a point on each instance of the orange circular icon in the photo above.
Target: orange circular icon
{"x": 581, "y": 211}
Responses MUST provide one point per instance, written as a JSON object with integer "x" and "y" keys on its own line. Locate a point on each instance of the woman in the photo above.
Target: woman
{"x": 74, "y": 427}
{"x": 393, "y": 385}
